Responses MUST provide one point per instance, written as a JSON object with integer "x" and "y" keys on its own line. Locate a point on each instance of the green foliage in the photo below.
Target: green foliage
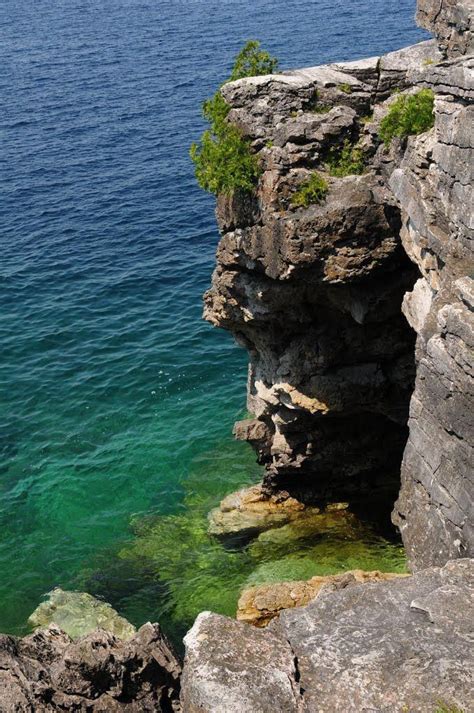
{"x": 224, "y": 163}
{"x": 346, "y": 88}
{"x": 313, "y": 190}
{"x": 447, "y": 708}
{"x": 253, "y": 62}
{"x": 223, "y": 158}
{"x": 321, "y": 109}
{"x": 316, "y": 106}
{"x": 408, "y": 115}
{"x": 348, "y": 161}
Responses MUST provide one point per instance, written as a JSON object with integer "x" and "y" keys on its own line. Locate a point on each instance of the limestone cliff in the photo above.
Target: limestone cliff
{"x": 316, "y": 294}
{"x": 356, "y": 312}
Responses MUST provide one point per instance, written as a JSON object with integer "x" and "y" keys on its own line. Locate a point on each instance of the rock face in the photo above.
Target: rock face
{"x": 260, "y": 604}
{"x": 316, "y": 294}
{"x": 241, "y": 669}
{"x": 403, "y": 645}
{"x": 47, "y": 671}
{"x": 434, "y": 185}
{"x": 452, "y": 21}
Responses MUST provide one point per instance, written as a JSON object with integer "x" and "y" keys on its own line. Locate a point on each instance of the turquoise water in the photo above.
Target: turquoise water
{"x": 117, "y": 400}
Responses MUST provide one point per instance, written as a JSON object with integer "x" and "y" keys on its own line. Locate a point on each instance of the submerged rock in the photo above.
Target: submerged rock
{"x": 247, "y": 512}
{"x": 79, "y": 613}
{"x": 405, "y": 644}
{"x": 47, "y": 671}
{"x": 259, "y": 605}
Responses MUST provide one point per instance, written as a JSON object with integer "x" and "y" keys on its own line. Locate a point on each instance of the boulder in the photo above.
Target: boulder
{"x": 48, "y": 671}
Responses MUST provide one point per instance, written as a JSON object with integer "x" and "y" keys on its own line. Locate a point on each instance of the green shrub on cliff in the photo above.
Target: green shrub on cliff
{"x": 312, "y": 191}
{"x": 348, "y": 161}
{"x": 410, "y": 114}
{"x": 223, "y": 158}
{"x": 252, "y": 62}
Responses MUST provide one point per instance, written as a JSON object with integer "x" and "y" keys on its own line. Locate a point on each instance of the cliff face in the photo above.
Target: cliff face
{"x": 434, "y": 186}
{"x": 316, "y": 293}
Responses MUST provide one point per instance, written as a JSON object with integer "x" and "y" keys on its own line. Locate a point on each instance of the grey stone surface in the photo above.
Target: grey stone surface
{"x": 434, "y": 186}
{"x": 394, "y": 646}
{"x": 452, "y": 21}
{"x": 234, "y": 668}
{"x": 401, "y": 645}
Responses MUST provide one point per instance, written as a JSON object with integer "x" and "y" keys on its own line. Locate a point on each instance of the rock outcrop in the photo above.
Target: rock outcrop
{"x": 453, "y": 23}
{"x": 316, "y": 294}
{"x": 246, "y": 513}
{"x": 403, "y": 645}
{"x": 260, "y": 604}
{"x": 48, "y": 671}
{"x": 329, "y": 300}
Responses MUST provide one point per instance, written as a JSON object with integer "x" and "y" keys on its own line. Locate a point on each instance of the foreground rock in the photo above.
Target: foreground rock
{"x": 231, "y": 667}
{"x": 47, "y": 671}
{"x": 260, "y": 604}
{"x": 391, "y": 646}
{"x": 78, "y": 614}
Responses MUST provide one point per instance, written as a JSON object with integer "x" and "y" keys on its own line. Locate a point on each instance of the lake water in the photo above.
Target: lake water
{"x": 117, "y": 400}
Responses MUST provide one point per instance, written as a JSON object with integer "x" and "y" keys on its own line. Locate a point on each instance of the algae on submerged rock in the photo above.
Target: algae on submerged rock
{"x": 78, "y": 614}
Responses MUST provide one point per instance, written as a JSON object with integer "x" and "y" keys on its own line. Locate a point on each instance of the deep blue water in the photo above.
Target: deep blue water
{"x": 115, "y": 395}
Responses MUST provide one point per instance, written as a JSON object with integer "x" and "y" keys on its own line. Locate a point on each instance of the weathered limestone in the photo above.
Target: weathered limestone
{"x": 47, "y": 671}
{"x": 434, "y": 185}
{"x": 316, "y": 294}
{"x": 249, "y": 511}
{"x": 260, "y": 604}
{"x": 239, "y": 669}
{"x": 451, "y": 21}
{"x": 391, "y": 646}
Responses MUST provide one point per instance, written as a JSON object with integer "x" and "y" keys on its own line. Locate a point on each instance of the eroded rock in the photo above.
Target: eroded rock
{"x": 259, "y": 605}
{"x": 316, "y": 294}
{"x": 48, "y": 671}
{"x": 249, "y": 511}
{"x": 240, "y": 669}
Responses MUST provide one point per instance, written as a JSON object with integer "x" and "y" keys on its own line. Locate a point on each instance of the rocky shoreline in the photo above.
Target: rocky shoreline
{"x": 357, "y": 315}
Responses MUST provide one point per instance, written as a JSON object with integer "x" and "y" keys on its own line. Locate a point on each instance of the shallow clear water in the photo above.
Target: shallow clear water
{"x": 116, "y": 399}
